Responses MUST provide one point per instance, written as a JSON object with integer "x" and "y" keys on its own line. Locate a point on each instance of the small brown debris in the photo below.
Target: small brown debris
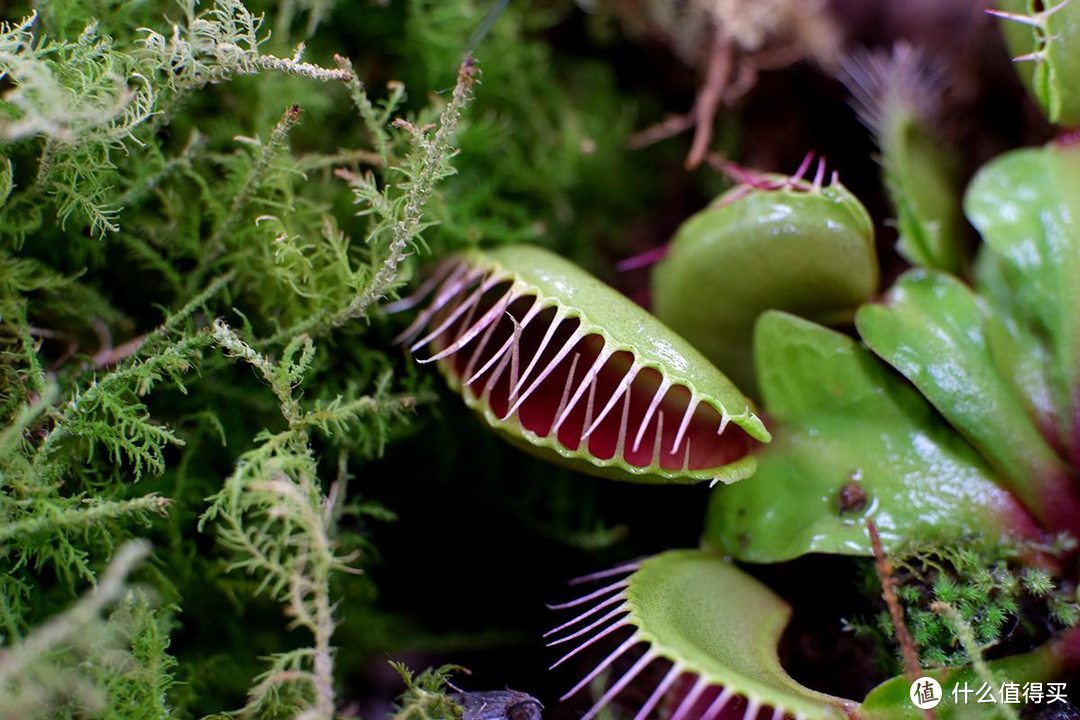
{"x": 851, "y": 497}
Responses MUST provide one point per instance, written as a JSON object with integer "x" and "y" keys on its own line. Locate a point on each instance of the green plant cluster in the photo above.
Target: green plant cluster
{"x": 202, "y": 207}
{"x": 991, "y": 592}
{"x": 426, "y": 696}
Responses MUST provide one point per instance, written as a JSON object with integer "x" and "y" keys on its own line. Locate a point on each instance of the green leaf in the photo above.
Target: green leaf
{"x": 1024, "y": 204}
{"x": 1019, "y": 354}
{"x": 851, "y": 441}
{"x": 1051, "y": 661}
{"x": 930, "y": 328}
{"x": 809, "y": 252}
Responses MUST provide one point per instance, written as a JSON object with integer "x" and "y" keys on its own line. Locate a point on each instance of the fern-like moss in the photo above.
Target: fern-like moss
{"x": 202, "y": 206}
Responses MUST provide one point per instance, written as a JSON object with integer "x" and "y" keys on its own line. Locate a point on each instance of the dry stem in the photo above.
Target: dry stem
{"x": 896, "y": 612}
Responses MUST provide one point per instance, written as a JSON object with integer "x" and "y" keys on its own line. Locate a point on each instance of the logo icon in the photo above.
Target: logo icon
{"x": 925, "y": 693}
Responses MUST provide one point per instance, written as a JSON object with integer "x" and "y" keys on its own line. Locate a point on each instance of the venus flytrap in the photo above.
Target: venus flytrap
{"x": 711, "y": 629}
{"x": 566, "y": 367}
{"x": 812, "y": 246}
{"x": 963, "y": 456}
{"x": 930, "y": 327}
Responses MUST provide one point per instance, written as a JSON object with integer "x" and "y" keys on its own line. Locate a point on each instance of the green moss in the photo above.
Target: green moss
{"x": 164, "y": 164}
{"x": 990, "y": 590}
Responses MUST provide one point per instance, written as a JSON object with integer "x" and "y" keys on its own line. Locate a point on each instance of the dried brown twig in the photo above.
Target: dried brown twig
{"x": 912, "y": 669}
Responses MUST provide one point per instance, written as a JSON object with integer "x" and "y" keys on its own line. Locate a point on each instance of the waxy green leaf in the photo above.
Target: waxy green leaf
{"x": 851, "y": 441}
{"x": 1019, "y": 354}
{"x": 1026, "y": 204}
{"x": 806, "y": 250}
{"x": 930, "y": 328}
